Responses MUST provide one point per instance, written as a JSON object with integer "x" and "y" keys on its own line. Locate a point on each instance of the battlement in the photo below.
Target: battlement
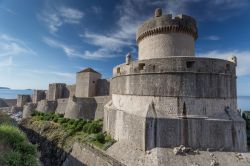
{"x": 161, "y": 24}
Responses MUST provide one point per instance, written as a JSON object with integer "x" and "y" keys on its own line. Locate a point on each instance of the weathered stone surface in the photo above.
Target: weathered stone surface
{"x": 28, "y": 109}
{"x": 3, "y": 103}
{"x": 22, "y": 100}
{"x": 102, "y": 87}
{"x": 61, "y": 105}
{"x": 38, "y": 95}
{"x": 133, "y": 156}
{"x": 86, "y": 82}
{"x": 46, "y": 106}
{"x": 56, "y": 91}
{"x": 86, "y": 108}
{"x": 170, "y": 98}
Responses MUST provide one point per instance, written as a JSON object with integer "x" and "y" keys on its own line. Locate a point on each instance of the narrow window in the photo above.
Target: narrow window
{"x": 184, "y": 112}
{"x": 190, "y": 64}
{"x": 227, "y": 67}
{"x": 118, "y": 70}
{"x": 141, "y": 66}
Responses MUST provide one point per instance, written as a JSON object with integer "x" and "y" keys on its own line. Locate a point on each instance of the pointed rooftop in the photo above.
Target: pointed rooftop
{"x": 87, "y": 70}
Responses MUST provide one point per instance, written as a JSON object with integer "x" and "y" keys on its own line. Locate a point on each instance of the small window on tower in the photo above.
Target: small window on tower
{"x": 190, "y": 64}
{"x": 93, "y": 82}
{"x": 141, "y": 66}
{"x": 227, "y": 67}
{"x": 118, "y": 70}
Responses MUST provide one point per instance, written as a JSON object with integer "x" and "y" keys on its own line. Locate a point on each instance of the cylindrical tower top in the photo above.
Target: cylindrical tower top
{"x": 165, "y": 35}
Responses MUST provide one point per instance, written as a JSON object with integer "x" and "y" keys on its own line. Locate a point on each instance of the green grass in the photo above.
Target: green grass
{"x": 84, "y": 130}
{"x": 16, "y": 150}
{"x": 246, "y": 117}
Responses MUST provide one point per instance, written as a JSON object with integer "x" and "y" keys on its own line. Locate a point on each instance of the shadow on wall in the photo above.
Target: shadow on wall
{"x": 195, "y": 133}
{"x": 85, "y": 108}
{"x": 51, "y": 154}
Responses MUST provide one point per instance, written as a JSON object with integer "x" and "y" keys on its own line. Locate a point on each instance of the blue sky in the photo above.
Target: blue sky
{"x": 47, "y": 41}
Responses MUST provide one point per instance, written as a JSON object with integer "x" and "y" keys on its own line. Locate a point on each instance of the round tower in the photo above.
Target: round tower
{"x": 165, "y": 36}
{"x": 169, "y": 97}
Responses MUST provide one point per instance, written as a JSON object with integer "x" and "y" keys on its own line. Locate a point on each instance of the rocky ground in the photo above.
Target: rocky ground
{"x": 179, "y": 156}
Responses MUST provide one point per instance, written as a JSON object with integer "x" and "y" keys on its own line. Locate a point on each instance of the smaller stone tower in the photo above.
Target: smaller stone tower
{"x": 86, "y": 81}
{"x": 56, "y": 91}
{"x": 167, "y": 36}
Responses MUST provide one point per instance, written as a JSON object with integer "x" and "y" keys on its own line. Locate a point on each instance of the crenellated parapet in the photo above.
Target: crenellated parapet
{"x": 167, "y": 36}
{"x": 166, "y": 24}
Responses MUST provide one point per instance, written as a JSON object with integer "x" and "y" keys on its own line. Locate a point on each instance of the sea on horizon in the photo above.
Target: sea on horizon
{"x": 243, "y": 101}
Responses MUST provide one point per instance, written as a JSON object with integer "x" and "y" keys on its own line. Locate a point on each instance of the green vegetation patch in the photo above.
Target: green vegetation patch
{"x": 15, "y": 150}
{"x": 86, "y": 131}
{"x": 246, "y": 117}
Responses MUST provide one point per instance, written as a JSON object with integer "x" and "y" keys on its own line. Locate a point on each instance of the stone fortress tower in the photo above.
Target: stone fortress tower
{"x": 169, "y": 97}
{"x": 86, "y": 81}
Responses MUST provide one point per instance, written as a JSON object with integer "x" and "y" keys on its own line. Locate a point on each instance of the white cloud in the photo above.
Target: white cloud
{"x": 69, "y": 15}
{"x": 8, "y": 10}
{"x": 104, "y": 41}
{"x": 212, "y": 37}
{"x": 13, "y": 46}
{"x": 54, "y": 73}
{"x": 243, "y": 59}
{"x": 71, "y": 51}
{"x": 55, "y": 18}
{"x": 6, "y": 62}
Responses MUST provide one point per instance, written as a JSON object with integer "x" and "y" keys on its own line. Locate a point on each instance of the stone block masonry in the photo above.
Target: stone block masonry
{"x": 22, "y": 100}
{"x": 169, "y": 97}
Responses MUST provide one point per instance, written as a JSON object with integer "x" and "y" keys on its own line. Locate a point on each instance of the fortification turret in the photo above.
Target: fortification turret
{"x": 165, "y": 35}
{"x": 86, "y": 81}
{"x": 169, "y": 97}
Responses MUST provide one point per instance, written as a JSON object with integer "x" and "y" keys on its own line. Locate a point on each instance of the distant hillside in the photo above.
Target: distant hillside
{"x": 4, "y": 88}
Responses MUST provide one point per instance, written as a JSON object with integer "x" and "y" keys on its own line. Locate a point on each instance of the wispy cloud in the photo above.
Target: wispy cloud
{"x": 131, "y": 13}
{"x": 57, "y": 17}
{"x": 72, "y": 51}
{"x": 13, "y": 46}
{"x": 212, "y": 37}
{"x": 243, "y": 58}
{"x": 8, "y": 10}
{"x": 47, "y": 72}
{"x": 6, "y": 62}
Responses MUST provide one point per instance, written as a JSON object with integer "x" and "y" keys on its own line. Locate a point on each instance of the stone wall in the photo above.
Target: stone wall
{"x": 3, "y": 103}
{"x": 102, "y": 87}
{"x": 84, "y": 154}
{"x": 22, "y": 100}
{"x": 56, "y": 91}
{"x": 86, "y": 108}
{"x": 10, "y": 102}
{"x": 46, "y": 106}
{"x": 28, "y": 109}
{"x": 38, "y": 95}
{"x": 149, "y": 129}
{"x": 69, "y": 91}
{"x": 61, "y": 106}
{"x": 184, "y": 76}
{"x": 86, "y": 83}
{"x": 174, "y": 106}
{"x": 164, "y": 45}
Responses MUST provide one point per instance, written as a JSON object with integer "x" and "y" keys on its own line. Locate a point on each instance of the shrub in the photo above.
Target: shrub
{"x": 92, "y": 127}
{"x": 11, "y": 159}
{"x": 11, "y": 134}
{"x": 60, "y": 115}
{"x": 26, "y": 149}
{"x": 29, "y": 160}
{"x": 71, "y": 121}
{"x": 100, "y": 137}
